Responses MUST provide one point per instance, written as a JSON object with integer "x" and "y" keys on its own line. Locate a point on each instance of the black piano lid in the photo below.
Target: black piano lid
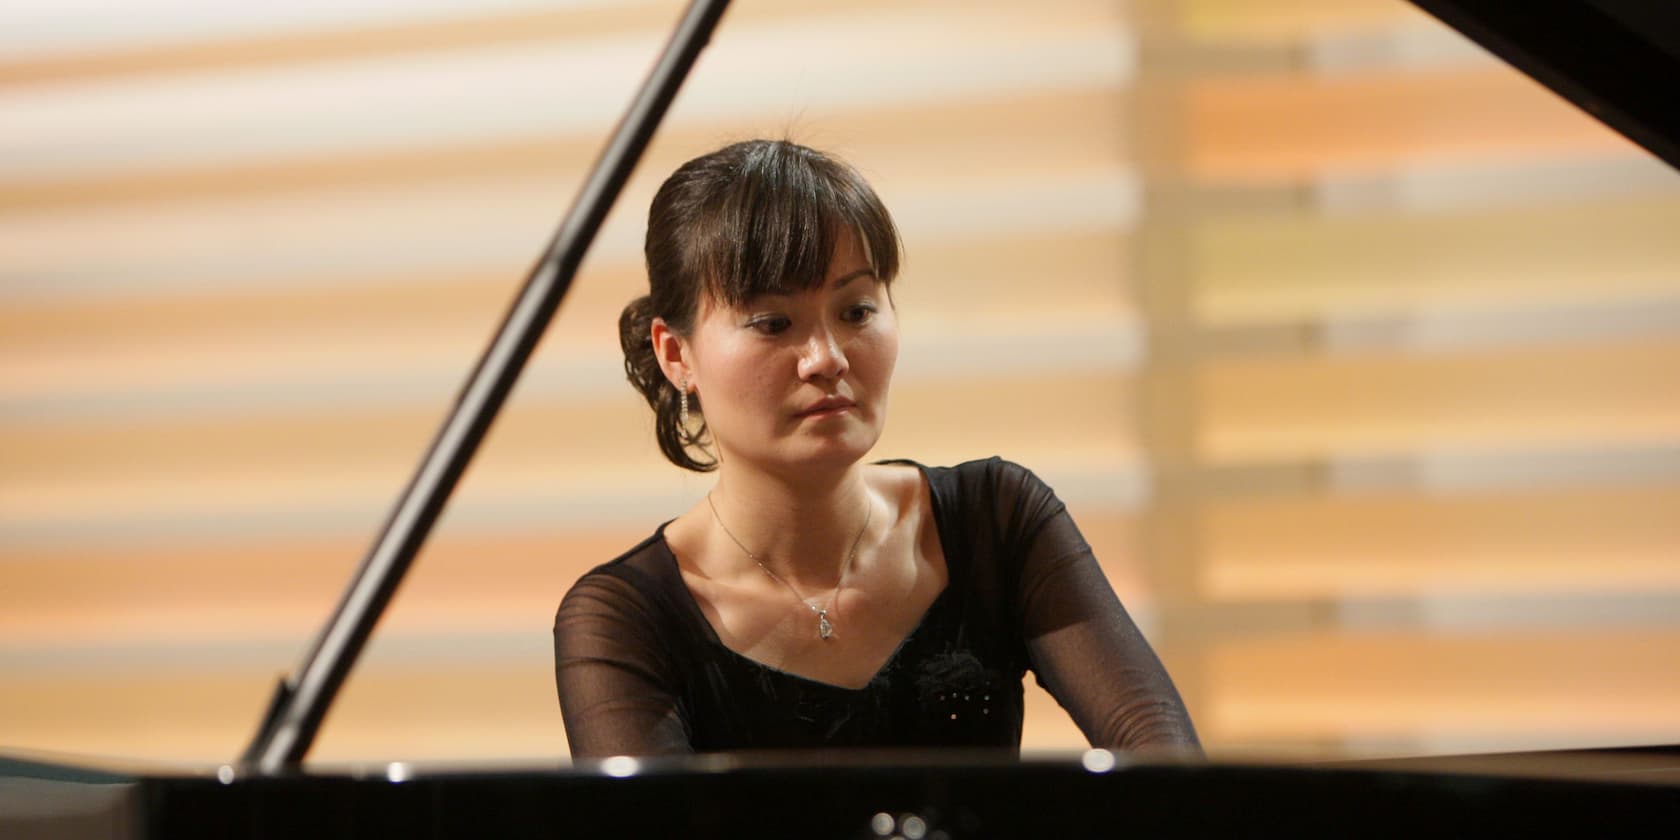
{"x": 1618, "y": 60}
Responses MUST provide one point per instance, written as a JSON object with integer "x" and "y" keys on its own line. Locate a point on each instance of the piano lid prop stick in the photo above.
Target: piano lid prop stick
{"x": 301, "y": 701}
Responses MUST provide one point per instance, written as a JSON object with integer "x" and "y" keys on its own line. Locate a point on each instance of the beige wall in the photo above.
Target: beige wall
{"x": 1352, "y": 350}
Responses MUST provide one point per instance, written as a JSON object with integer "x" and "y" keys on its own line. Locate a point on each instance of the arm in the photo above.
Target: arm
{"x": 1080, "y": 642}
{"x": 614, "y": 680}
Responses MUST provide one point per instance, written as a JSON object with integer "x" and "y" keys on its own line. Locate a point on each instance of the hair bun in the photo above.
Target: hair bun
{"x": 635, "y": 328}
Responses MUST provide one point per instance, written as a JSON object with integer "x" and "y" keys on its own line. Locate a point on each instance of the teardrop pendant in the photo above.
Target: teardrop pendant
{"x": 824, "y": 628}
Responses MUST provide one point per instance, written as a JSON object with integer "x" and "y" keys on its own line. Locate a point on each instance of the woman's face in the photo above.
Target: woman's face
{"x": 800, "y": 379}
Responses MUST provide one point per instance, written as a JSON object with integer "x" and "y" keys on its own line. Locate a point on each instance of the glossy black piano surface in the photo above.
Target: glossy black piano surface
{"x": 859, "y": 795}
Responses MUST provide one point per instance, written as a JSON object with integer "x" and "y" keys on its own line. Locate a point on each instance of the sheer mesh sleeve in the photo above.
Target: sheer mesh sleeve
{"x": 612, "y": 674}
{"x": 1080, "y": 643}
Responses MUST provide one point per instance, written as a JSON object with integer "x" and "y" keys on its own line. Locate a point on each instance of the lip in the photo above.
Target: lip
{"x": 826, "y": 406}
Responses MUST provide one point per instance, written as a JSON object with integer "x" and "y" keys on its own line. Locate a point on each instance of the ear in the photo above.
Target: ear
{"x": 672, "y": 352}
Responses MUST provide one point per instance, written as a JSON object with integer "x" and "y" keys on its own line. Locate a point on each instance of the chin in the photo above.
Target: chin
{"x": 839, "y": 451}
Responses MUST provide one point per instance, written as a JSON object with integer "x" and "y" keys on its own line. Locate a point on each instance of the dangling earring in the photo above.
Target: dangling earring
{"x": 682, "y": 404}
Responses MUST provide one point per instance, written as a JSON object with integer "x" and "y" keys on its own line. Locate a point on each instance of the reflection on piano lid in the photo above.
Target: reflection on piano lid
{"x": 952, "y": 795}
{"x": 1618, "y": 60}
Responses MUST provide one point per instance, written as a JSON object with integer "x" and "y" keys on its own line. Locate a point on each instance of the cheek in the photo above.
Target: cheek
{"x": 750, "y": 383}
{"x": 880, "y": 354}
{"x": 760, "y": 384}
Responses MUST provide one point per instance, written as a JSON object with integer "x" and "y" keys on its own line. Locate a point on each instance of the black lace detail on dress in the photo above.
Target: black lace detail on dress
{"x": 958, "y": 694}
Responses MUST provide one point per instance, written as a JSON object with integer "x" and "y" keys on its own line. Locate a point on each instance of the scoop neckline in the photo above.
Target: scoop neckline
{"x": 699, "y": 616}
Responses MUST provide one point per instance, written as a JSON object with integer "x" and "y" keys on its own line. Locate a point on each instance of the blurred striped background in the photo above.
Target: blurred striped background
{"x": 1356, "y": 353}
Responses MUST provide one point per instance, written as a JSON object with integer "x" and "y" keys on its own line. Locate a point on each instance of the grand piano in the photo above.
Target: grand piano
{"x": 1616, "y": 59}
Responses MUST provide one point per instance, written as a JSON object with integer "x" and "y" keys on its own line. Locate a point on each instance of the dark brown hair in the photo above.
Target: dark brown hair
{"x": 752, "y": 218}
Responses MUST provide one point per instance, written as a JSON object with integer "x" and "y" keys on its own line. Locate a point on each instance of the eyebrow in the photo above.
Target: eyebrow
{"x": 840, "y": 282}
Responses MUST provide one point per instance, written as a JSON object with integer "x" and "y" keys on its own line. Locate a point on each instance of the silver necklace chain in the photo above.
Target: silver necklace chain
{"x": 825, "y": 627}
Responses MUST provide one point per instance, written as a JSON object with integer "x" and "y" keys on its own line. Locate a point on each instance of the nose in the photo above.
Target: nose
{"x": 821, "y": 357}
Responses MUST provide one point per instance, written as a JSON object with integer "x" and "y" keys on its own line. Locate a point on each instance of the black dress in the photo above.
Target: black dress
{"x": 640, "y": 670}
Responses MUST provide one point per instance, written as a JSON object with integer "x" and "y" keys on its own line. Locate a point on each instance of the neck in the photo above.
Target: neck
{"x": 802, "y": 527}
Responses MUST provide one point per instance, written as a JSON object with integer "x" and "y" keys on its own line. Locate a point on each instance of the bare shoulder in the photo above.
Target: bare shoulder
{"x": 685, "y": 534}
{"x": 902, "y": 486}
{"x": 686, "y": 538}
{"x": 914, "y": 528}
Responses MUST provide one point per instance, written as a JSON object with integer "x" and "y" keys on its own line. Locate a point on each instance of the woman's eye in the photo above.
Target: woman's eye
{"x": 770, "y": 324}
{"x": 860, "y": 313}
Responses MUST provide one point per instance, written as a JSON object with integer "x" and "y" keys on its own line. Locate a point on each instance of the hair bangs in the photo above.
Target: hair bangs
{"x": 780, "y": 221}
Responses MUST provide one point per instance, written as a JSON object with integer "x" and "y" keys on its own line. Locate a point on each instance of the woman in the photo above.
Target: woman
{"x": 813, "y": 599}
